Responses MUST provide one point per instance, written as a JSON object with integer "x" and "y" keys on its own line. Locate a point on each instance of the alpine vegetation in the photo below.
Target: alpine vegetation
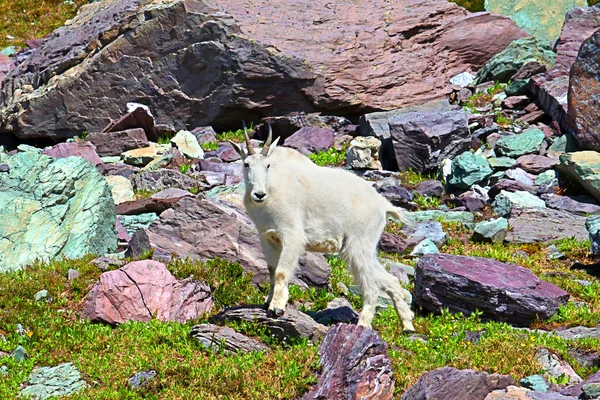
{"x": 298, "y": 206}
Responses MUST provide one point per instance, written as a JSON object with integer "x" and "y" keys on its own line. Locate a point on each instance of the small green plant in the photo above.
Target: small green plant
{"x": 165, "y": 139}
{"x": 478, "y": 100}
{"x": 426, "y": 203}
{"x": 471, "y": 5}
{"x": 144, "y": 193}
{"x": 184, "y": 168}
{"x": 503, "y": 120}
{"x": 236, "y": 136}
{"x": 210, "y": 146}
{"x": 331, "y": 157}
{"x": 83, "y": 135}
{"x": 412, "y": 178}
{"x": 496, "y": 88}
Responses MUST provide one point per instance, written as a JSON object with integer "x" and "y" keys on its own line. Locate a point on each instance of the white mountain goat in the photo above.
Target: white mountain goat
{"x": 298, "y": 206}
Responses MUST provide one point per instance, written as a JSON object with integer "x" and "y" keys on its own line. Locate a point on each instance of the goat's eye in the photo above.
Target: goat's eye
{"x": 246, "y": 165}
{"x": 268, "y": 165}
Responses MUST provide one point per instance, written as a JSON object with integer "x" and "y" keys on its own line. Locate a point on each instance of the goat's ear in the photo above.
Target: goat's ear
{"x": 273, "y": 145}
{"x": 238, "y": 148}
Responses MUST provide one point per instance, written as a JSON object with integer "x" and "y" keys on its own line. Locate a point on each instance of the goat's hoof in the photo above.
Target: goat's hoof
{"x": 275, "y": 313}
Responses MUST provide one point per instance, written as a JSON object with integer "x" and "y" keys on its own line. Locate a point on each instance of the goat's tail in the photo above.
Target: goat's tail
{"x": 399, "y": 214}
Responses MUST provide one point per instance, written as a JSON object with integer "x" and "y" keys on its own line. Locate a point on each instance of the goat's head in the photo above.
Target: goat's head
{"x": 256, "y": 166}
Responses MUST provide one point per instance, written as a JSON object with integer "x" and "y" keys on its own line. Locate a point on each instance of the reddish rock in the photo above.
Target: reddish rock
{"x": 514, "y": 102}
{"x": 141, "y": 290}
{"x": 551, "y": 90}
{"x": 535, "y": 164}
{"x": 146, "y": 205}
{"x": 584, "y": 94}
{"x": 453, "y": 384}
{"x": 227, "y": 153}
{"x": 395, "y": 244}
{"x": 310, "y": 140}
{"x": 6, "y": 65}
{"x": 115, "y": 143}
{"x": 138, "y": 118}
{"x": 355, "y": 366}
{"x": 205, "y": 229}
{"x": 510, "y": 186}
{"x": 470, "y": 203}
{"x": 503, "y": 292}
{"x": 122, "y": 233}
{"x": 79, "y": 149}
{"x": 580, "y": 24}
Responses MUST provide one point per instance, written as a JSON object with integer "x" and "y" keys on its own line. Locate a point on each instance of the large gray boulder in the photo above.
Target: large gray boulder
{"x": 199, "y": 63}
{"x": 503, "y": 292}
{"x": 53, "y": 208}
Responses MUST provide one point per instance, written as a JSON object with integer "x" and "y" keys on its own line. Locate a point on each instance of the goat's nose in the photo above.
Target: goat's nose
{"x": 260, "y": 195}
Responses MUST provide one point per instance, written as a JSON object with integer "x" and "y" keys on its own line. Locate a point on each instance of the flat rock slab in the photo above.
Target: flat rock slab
{"x": 355, "y": 365}
{"x": 162, "y": 179}
{"x": 503, "y": 292}
{"x": 80, "y": 149}
{"x": 52, "y": 382}
{"x": 204, "y": 229}
{"x": 585, "y": 167}
{"x": 147, "y": 205}
{"x": 580, "y": 205}
{"x": 222, "y": 338}
{"x": 142, "y": 290}
{"x": 455, "y": 384}
{"x": 535, "y": 225}
{"x": 293, "y": 324}
{"x": 53, "y": 207}
{"x": 115, "y": 143}
{"x": 578, "y": 332}
{"x": 521, "y": 393}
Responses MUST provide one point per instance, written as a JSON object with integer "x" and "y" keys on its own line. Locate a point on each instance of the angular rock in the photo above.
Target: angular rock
{"x": 493, "y": 231}
{"x": 141, "y": 290}
{"x": 551, "y": 89}
{"x": 363, "y": 153}
{"x": 293, "y": 324}
{"x": 6, "y": 65}
{"x": 469, "y": 203}
{"x": 138, "y": 116}
{"x": 577, "y": 390}
{"x": 310, "y": 140}
{"x": 431, "y": 230}
{"x": 520, "y": 52}
{"x": 562, "y": 144}
{"x": 509, "y": 185}
{"x": 592, "y": 224}
{"x": 147, "y": 205}
{"x": 145, "y": 155}
{"x": 534, "y": 382}
{"x": 505, "y": 202}
{"x": 103, "y": 263}
{"x": 187, "y": 144}
{"x": 421, "y": 140}
{"x": 524, "y": 143}
{"x": 115, "y": 143}
{"x": 395, "y": 244}
{"x": 503, "y": 292}
{"x": 584, "y": 93}
{"x": 469, "y": 169}
{"x": 338, "y": 311}
{"x": 426, "y": 246}
{"x": 355, "y": 365}
{"x": 535, "y": 164}
{"x": 205, "y": 229}
{"x": 234, "y": 173}
{"x": 120, "y": 188}
{"x": 79, "y": 149}
{"x": 538, "y": 18}
{"x": 580, "y": 205}
{"x": 501, "y": 163}
{"x": 453, "y": 384}
{"x": 432, "y": 188}
{"x": 171, "y": 193}
{"x": 580, "y": 24}
{"x": 141, "y": 379}
{"x": 437, "y": 215}
{"x": 520, "y": 176}
{"x": 52, "y": 382}
{"x": 544, "y": 225}
{"x": 162, "y": 179}
{"x": 392, "y": 189}
{"x": 53, "y": 208}
{"x": 222, "y": 338}
{"x": 556, "y": 367}
{"x": 585, "y": 167}
{"x": 133, "y": 223}
{"x": 311, "y": 69}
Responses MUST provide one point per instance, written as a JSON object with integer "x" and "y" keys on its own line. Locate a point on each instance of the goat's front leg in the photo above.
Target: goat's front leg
{"x": 286, "y": 267}
{"x": 272, "y": 252}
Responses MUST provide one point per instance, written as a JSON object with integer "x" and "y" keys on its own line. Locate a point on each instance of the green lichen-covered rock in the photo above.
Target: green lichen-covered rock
{"x": 505, "y": 64}
{"x": 133, "y": 223}
{"x": 518, "y": 145}
{"x": 493, "y": 231}
{"x": 53, "y": 207}
{"x": 505, "y": 201}
{"x": 534, "y": 382}
{"x": 592, "y": 224}
{"x": 561, "y": 145}
{"x": 464, "y": 217}
{"x": 541, "y": 18}
{"x": 585, "y": 167}
{"x": 47, "y": 382}
{"x": 468, "y": 169}
{"x": 501, "y": 162}
{"x": 546, "y": 177}
{"x": 591, "y": 391}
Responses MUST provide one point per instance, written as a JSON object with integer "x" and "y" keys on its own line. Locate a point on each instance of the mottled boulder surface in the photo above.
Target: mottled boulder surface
{"x": 142, "y": 290}
{"x": 501, "y": 291}
{"x": 51, "y": 208}
{"x": 355, "y": 365}
{"x": 454, "y": 384}
{"x": 222, "y": 338}
{"x": 196, "y": 65}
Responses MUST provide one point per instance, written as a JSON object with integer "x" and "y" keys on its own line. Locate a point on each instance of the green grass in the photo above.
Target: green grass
{"x": 426, "y": 203}
{"x": 412, "y": 178}
{"x": 210, "y": 146}
{"x": 184, "y": 168}
{"x": 331, "y": 157}
{"x": 236, "y": 136}
{"x": 471, "y": 5}
{"x": 165, "y": 139}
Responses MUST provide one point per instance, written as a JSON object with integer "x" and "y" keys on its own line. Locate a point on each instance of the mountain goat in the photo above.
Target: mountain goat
{"x": 298, "y": 206}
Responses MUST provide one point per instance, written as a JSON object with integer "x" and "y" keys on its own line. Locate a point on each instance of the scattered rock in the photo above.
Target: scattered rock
{"x": 580, "y": 205}
{"x": 431, "y": 188}
{"x": 524, "y": 143}
{"x": 469, "y": 169}
{"x": 534, "y": 382}
{"x": 145, "y": 155}
{"x": 141, "y": 379}
{"x": 224, "y": 339}
{"x": 115, "y": 143}
{"x": 138, "y": 116}
{"x": 338, "y": 311}
{"x": 355, "y": 365}
{"x": 505, "y": 202}
{"x": 501, "y": 291}
{"x": 464, "y": 217}
{"x": 509, "y": 185}
{"x": 395, "y": 244}
{"x": 121, "y": 188}
{"x": 550, "y": 90}
{"x": 591, "y": 390}
{"x": 426, "y": 246}
{"x": 536, "y": 164}
{"x": 585, "y": 167}
{"x": 47, "y": 382}
{"x": 468, "y": 203}
{"x": 142, "y": 290}
{"x": 391, "y": 189}
{"x": 310, "y": 140}
{"x": 187, "y": 144}
{"x": 584, "y": 92}
{"x": 521, "y": 393}
{"x": 453, "y": 384}
{"x": 19, "y": 354}
{"x": 162, "y": 179}
{"x": 78, "y": 149}
{"x": 65, "y": 204}
{"x": 293, "y": 324}
{"x": 104, "y": 263}
{"x": 73, "y": 274}
{"x": 556, "y": 367}
{"x": 520, "y": 176}
{"x": 544, "y": 225}
{"x": 493, "y": 231}
{"x": 42, "y": 295}
{"x": 147, "y": 205}
{"x": 501, "y": 163}
{"x": 592, "y": 224}
{"x": 363, "y": 153}
{"x": 133, "y": 223}
{"x": 577, "y": 390}
{"x": 562, "y": 144}
{"x": 205, "y": 229}
{"x": 431, "y": 230}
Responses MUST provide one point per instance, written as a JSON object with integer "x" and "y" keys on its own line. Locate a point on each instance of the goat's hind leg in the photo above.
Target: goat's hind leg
{"x": 389, "y": 283}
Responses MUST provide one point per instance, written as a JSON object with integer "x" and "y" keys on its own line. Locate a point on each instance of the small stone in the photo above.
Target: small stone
{"x": 430, "y": 230}
{"x": 19, "y": 354}
{"x": 133, "y": 223}
{"x": 591, "y": 390}
{"x": 534, "y": 382}
{"x": 554, "y": 253}
{"x": 493, "y": 231}
{"x": 592, "y": 224}
{"x": 469, "y": 169}
{"x": 187, "y": 144}
{"x": 104, "y": 263}
{"x": 141, "y": 379}
{"x": 585, "y": 167}
{"x": 337, "y": 311}
{"x": 439, "y": 215}
{"x": 424, "y": 247}
{"x": 121, "y": 188}
{"x": 4, "y": 168}
{"x": 520, "y": 176}
{"x": 143, "y": 156}
{"x": 363, "y": 153}
{"x": 546, "y": 178}
{"x": 430, "y": 188}
{"x": 72, "y": 274}
{"x": 536, "y": 164}
{"x": 42, "y": 295}
{"x": 501, "y": 163}
{"x": 463, "y": 79}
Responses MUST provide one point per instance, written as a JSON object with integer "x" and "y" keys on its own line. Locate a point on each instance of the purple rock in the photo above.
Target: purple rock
{"x": 234, "y": 173}
{"x": 535, "y": 164}
{"x": 580, "y": 205}
{"x": 171, "y": 193}
{"x": 577, "y": 390}
{"x": 510, "y": 186}
{"x": 310, "y": 139}
{"x": 115, "y": 143}
{"x": 468, "y": 202}
{"x": 4, "y": 168}
{"x": 227, "y": 153}
{"x": 503, "y": 292}
{"x": 355, "y": 365}
{"x": 204, "y": 134}
{"x": 80, "y": 149}
{"x": 539, "y": 225}
{"x": 430, "y": 188}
